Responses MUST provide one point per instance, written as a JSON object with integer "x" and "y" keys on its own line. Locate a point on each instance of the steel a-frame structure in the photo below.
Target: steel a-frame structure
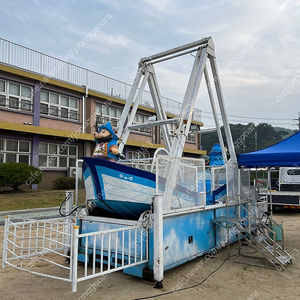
{"x": 205, "y": 50}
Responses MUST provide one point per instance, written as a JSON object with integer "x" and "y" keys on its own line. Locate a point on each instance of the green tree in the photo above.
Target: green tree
{"x": 246, "y": 138}
{"x": 15, "y": 174}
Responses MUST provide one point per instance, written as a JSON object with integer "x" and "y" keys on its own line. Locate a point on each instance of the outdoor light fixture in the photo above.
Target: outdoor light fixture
{"x": 195, "y": 128}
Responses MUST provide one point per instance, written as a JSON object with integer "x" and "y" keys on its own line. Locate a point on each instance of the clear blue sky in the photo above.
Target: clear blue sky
{"x": 257, "y": 45}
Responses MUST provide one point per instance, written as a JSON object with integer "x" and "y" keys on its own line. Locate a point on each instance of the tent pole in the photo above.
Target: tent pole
{"x": 270, "y": 189}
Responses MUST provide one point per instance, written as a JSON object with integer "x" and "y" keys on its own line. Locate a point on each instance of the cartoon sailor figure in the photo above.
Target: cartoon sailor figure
{"x": 107, "y": 143}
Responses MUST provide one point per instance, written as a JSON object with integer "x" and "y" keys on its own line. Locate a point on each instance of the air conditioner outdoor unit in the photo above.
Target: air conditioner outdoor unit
{"x": 71, "y": 172}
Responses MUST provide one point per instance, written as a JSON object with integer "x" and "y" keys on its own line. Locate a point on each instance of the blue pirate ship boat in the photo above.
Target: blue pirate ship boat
{"x": 118, "y": 190}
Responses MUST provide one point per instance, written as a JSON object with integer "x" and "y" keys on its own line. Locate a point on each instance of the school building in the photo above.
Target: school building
{"x": 48, "y": 109}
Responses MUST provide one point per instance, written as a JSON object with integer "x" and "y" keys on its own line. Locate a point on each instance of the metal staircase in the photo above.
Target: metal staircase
{"x": 257, "y": 229}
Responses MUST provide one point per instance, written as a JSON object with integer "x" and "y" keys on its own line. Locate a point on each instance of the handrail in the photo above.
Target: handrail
{"x": 154, "y": 156}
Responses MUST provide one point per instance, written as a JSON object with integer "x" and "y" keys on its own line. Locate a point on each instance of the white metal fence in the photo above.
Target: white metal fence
{"x": 112, "y": 250}
{"x": 51, "y": 67}
{"x": 56, "y": 243}
{"x": 31, "y": 243}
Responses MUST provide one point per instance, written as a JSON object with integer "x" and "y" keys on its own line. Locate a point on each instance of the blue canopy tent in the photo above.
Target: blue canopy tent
{"x": 283, "y": 154}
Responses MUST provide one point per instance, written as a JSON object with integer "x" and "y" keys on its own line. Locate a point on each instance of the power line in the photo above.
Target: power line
{"x": 276, "y": 123}
{"x": 243, "y": 117}
{"x": 183, "y": 289}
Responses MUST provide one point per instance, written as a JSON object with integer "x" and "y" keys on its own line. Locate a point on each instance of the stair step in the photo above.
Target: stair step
{"x": 260, "y": 238}
{"x": 256, "y": 235}
{"x": 270, "y": 248}
{"x": 246, "y": 228}
{"x": 232, "y": 220}
{"x": 284, "y": 259}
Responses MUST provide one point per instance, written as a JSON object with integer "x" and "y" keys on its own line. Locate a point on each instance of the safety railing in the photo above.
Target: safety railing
{"x": 232, "y": 179}
{"x": 16, "y": 103}
{"x": 30, "y": 243}
{"x": 182, "y": 182}
{"x": 25, "y": 58}
{"x": 142, "y": 163}
{"x": 109, "y": 251}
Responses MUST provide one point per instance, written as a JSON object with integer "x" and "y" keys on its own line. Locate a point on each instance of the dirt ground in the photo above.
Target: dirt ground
{"x": 228, "y": 280}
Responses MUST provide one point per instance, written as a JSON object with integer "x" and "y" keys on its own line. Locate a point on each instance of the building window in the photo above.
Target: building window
{"x": 141, "y": 119}
{"x": 59, "y": 106}
{"x": 15, "y": 96}
{"x": 113, "y": 115}
{"x": 57, "y": 156}
{"x": 15, "y": 151}
{"x": 191, "y": 137}
{"x": 109, "y": 114}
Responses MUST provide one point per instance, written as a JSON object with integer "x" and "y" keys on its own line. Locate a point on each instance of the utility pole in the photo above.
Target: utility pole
{"x": 255, "y": 137}
{"x": 298, "y": 121}
{"x": 244, "y": 146}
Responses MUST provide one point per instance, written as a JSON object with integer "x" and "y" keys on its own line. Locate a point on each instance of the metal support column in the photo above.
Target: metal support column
{"x": 159, "y": 108}
{"x": 270, "y": 192}
{"x": 69, "y": 204}
{"x": 214, "y": 110}
{"x": 4, "y": 256}
{"x": 132, "y": 113}
{"x": 222, "y": 108}
{"x": 129, "y": 101}
{"x": 74, "y": 258}
{"x": 68, "y": 221}
{"x": 158, "y": 261}
{"x": 189, "y": 103}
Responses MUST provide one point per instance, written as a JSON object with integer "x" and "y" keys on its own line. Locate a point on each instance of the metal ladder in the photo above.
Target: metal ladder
{"x": 255, "y": 229}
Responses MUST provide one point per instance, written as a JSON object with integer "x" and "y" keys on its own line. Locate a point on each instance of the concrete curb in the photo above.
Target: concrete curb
{"x": 20, "y": 215}
{"x": 29, "y": 211}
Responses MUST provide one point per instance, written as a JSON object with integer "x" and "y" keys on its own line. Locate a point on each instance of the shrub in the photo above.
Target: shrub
{"x": 15, "y": 174}
{"x": 64, "y": 183}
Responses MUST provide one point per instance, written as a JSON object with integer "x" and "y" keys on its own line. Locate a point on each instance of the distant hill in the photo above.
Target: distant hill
{"x": 248, "y": 138}
{"x": 289, "y": 132}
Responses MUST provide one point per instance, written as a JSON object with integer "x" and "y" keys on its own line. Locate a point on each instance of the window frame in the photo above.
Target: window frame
{"x": 16, "y": 101}
{"x": 59, "y": 110}
{"x": 145, "y": 130}
{"x": 100, "y": 108}
{"x": 138, "y": 154}
{"x": 57, "y": 156}
{"x": 191, "y": 138}
{"x": 17, "y": 153}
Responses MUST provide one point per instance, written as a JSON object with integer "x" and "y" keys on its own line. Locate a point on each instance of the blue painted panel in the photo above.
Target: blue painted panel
{"x": 129, "y": 239}
{"x": 185, "y": 237}
{"x": 136, "y": 270}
